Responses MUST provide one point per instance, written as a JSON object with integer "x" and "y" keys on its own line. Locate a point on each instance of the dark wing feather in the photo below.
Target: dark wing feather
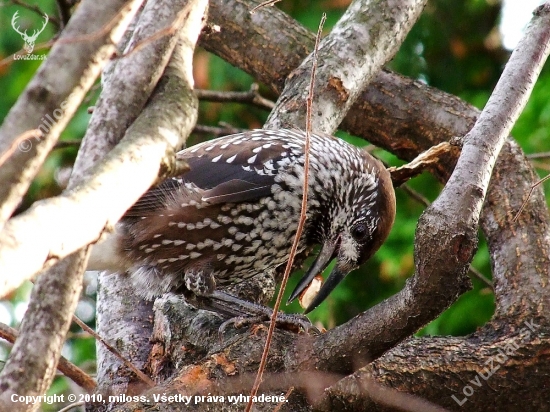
{"x": 237, "y": 168}
{"x": 207, "y": 174}
{"x": 230, "y": 169}
{"x": 235, "y": 191}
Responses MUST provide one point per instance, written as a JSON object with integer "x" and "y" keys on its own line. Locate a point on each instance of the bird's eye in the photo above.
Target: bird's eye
{"x": 359, "y": 232}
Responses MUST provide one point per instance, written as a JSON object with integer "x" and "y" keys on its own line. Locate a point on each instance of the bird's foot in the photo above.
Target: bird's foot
{"x": 241, "y": 313}
{"x": 293, "y": 322}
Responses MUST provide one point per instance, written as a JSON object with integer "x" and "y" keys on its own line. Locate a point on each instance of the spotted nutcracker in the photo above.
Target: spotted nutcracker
{"x": 234, "y": 215}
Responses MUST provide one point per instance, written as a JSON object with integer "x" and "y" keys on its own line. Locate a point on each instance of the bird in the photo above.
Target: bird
{"x": 234, "y": 214}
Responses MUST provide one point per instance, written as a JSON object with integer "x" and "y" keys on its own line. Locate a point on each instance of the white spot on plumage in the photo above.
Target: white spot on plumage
{"x": 231, "y": 159}
{"x": 224, "y": 219}
{"x": 217, "y": 158}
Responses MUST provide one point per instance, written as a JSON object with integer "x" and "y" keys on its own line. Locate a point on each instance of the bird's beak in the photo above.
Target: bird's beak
{"x": 338, "y": 273}
{"x": 327, "y": 253}
{"x": 321, "y": 262}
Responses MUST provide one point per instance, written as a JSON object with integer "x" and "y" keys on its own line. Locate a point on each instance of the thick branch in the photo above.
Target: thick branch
{"x": 56, "y": 91}
{"x": 461, "y": 374}
{"x": 364, "y": 39}
{"x": 150, "y": 141}
{"x": 132, "y": 79}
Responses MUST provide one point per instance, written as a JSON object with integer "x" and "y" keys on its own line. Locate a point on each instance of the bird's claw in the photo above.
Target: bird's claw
{"x": 294, "y": 322}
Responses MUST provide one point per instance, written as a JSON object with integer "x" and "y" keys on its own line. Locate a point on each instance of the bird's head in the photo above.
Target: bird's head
{"x": 355, "y": 229}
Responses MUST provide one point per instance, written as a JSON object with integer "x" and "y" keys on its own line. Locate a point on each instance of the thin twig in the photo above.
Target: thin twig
{"x": 300, "y": 227}
{"x": 264, "y": 4}
{"x": 541, "y": 155}
{"x": 70, "y": 370}
{"x": 473, "y": 272}
{"x": 37, "y": 10}
{"x": 217, "y": 130}
{"x": 280, "y": 404}
{"x": 18, "y": 143}
{"x": 415, "y": 195}
{"x": 251, "y": 96}
{"x": 111, "y": 349}
{"x": 533, "y": 187}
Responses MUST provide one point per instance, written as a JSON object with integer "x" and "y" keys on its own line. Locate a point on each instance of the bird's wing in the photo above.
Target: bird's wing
{"x": 154, "y": 199}
{"x": 230, "y": 169}
{"x": 239, "y": 168}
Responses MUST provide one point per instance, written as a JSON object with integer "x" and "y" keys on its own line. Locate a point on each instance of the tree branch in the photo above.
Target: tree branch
{"x": 152, "y": 139}
{"x": 252, "y": 96}
{"x": 364, "y": 39}
{"x": 31, "y": 366}
{"x": 67, "y": 368}
{"x": 50, "y": 94}
{"x": 131, "y": 80}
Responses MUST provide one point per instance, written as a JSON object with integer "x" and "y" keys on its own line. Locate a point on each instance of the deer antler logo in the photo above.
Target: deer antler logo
{"x": 29, "y": 40}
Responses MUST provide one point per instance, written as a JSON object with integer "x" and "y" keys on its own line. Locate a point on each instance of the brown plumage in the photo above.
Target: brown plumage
{"x": 235, "y": 213}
